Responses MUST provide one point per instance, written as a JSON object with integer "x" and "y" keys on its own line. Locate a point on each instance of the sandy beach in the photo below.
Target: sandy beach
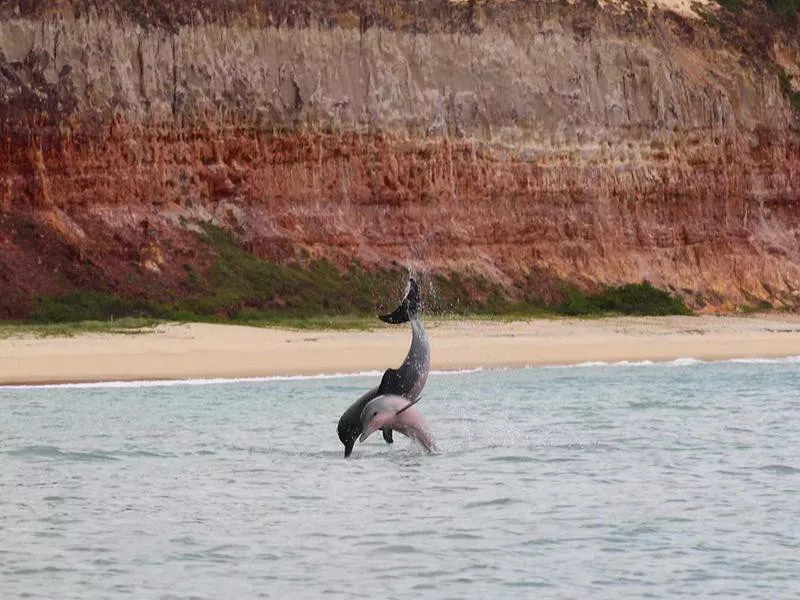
{"x": 227, "y": 351}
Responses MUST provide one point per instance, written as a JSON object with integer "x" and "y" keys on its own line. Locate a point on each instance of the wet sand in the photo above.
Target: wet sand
{"x": 227, "y": 351}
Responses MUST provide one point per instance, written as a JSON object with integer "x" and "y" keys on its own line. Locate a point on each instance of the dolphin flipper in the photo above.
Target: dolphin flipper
{"x": 387, "y": 435}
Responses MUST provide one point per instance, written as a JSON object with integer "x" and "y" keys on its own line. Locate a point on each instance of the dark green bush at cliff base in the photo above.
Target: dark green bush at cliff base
{"x": 93, "y": 306}
{"x": 784, "y": 8}
{"x": 632, "y": 299}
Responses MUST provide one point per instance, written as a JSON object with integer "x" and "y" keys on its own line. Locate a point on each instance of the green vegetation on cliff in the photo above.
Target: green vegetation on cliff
{"x": 631, "y": 299}
{"x": 787, "y": 10}
{"x": 784, "y": 8}
{"x": 242, "y": 288}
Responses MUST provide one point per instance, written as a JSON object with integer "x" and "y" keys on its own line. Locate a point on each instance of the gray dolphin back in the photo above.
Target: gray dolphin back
{"x": 410, "y": 378}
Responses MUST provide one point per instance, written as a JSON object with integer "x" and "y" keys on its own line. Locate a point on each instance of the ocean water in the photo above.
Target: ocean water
{"x": 597, "y": 481}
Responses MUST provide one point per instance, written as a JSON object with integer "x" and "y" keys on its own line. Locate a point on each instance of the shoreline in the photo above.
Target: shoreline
{"x": 201, "y": 381}
{"x": 199, "y": 351}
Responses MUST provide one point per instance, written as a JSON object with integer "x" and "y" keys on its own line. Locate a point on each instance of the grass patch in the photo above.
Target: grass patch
{"x": 758, "y": 307}
{"x": 85, "y": 306}
{"x": 640, "y": 299}
{"x": 320, "y": 323}
{"x": 125, "y": 326}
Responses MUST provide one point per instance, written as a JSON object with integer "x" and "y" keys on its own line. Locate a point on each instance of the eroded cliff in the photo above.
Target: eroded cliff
{"x": 595, "y": 145}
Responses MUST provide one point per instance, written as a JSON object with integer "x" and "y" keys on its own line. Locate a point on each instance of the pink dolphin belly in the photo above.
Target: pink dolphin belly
{"x": 412, "y": 424}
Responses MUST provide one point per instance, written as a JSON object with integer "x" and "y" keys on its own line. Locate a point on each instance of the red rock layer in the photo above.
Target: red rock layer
{"x": 709, "y": 219}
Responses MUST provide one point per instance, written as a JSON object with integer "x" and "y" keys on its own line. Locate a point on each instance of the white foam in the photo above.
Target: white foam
{"x": 788, "y": 359}
{"x": 683, "y": 362}
{"x": 142, "y": 383}
{"x": 461, "y": 371}
{"x": 145, "y": 383}
{"x": 677, "y": 362}
{"x": 601, "y": 363}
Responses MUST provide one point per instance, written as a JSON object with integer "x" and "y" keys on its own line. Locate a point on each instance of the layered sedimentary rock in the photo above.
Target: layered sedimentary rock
{"x": 599, "y": 145}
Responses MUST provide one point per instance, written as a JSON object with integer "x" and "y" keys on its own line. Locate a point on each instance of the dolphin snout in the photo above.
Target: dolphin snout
{"x": 367, "y": 432}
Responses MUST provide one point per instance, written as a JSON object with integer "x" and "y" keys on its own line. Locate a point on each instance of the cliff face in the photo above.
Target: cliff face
{"x": 599, "y": 145}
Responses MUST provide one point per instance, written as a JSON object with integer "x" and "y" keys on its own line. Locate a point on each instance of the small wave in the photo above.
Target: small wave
{"x": 738, "y": 429}
{"x": 767, "y": 361}
{"x": 424, "y": 586}
{"x": 57, "y": 498}
{"x": 41, "y": 570}
{"x": 45, "y": 451}
{"x": 780, "y": 469}
{"x": 143, "y": 454}
{"x": 646, "y": 404}
{"x": 38, "y": 451}
{"x": 462, "y": 535}
{"x": 487, "y": 503}
{"x": 462, "y": 371}
{"x": 685, "y": 361}
{"x": 601, "y": 363}
{"x": 513, "y": 459}
{"x": 416, "y": 533}
{"x": 527, "y": 584}
{"x": 398, "y": 549}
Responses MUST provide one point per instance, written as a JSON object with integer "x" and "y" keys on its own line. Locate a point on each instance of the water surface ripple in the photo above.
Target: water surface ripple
{"x": 657, "y": 481}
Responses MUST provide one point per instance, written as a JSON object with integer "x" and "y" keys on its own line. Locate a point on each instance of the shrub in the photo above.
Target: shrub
{"x": 631, "y": 299}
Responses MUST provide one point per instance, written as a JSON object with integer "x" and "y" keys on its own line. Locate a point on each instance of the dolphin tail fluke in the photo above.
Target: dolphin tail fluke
{"x": 408, "y": 307}
{"x": 400, "y": 315}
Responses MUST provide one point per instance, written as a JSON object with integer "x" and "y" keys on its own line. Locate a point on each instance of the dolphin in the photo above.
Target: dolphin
{"x": 399, "y": 414}
{"x": 407, "y": 381}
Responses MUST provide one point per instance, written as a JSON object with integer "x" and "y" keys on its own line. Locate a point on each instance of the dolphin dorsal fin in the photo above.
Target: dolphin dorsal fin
{"x": 391, "y": 380}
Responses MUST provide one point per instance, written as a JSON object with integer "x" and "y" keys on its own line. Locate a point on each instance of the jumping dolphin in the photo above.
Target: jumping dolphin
{"x": 407, "y": 381}
{"x": 398, "y": 413}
